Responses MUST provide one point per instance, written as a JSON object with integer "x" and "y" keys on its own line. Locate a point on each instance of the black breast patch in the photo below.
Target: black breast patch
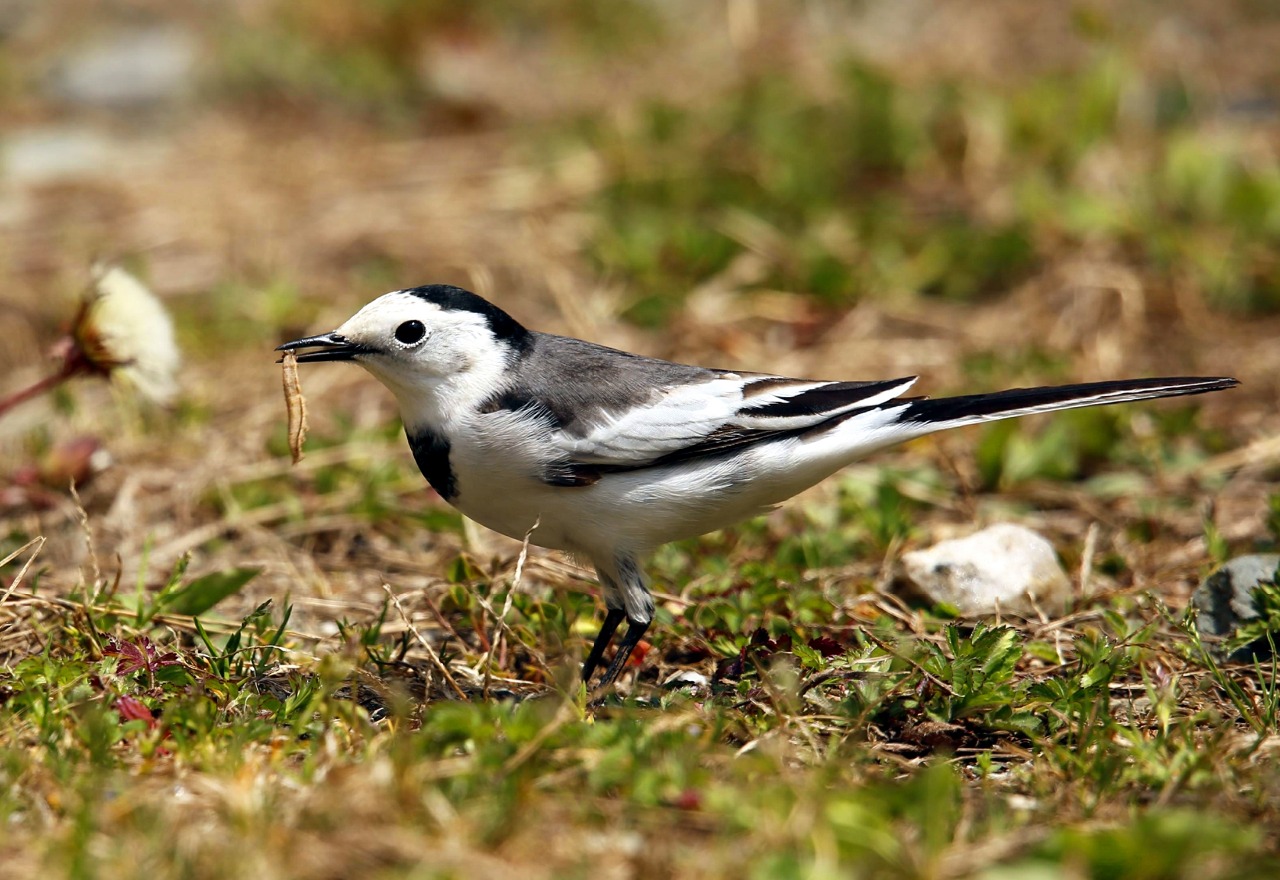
{"x": 431, "y": 452}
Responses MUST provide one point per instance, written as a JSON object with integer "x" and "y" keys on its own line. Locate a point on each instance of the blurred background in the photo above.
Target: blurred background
{"x": 991, "y": 193}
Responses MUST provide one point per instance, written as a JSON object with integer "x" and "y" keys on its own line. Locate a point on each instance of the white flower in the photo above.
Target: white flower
{"x": 123, "y": 331}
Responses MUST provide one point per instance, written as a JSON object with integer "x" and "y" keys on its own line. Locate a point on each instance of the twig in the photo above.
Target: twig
{"x": 435, "y": 658}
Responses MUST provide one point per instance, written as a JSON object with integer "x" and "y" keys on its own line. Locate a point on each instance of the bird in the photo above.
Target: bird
{"x": 608, "y": 454}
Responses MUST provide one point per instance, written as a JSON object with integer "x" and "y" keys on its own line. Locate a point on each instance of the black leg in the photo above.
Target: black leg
{"x": 635, "y": 632}
{"x": 610, "y": 626}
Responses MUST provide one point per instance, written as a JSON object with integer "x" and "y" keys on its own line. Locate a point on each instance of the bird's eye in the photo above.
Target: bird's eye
{"x": 410, "y": 332}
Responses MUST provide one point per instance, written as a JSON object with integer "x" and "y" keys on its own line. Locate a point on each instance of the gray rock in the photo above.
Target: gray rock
{"x": 1224, "y": 601}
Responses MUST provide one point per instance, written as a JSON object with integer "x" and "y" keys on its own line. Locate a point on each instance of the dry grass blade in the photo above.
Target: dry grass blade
{"x": 1262, "y": 452}
{"x": 501, "y": 619}
{"x": 910, "y": 661}
{"x": 564, "y": 715}
{"x": 1086, "y": 559}
{"x": 295, "y": 405}
{"x": 37, "y": 543}
{"x": 82, "y": 516}
{"x": 426, "y": 646}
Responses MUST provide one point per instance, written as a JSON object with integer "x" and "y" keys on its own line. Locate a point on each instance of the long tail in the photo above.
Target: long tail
{"x": 952, "y": 412}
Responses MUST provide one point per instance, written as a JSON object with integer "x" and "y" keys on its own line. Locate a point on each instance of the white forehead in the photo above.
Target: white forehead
{"x": 391, "y": 309}
{"x": 398, "y": 305}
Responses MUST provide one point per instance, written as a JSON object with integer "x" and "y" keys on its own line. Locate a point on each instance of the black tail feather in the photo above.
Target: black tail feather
{"x": 1027, "y": 401}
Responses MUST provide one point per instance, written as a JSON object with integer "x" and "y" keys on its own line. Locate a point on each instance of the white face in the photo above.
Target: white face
{"x": 424, "y": 353}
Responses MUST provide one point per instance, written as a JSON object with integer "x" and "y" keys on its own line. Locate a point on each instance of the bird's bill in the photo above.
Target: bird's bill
{"x": 327, "y": 347}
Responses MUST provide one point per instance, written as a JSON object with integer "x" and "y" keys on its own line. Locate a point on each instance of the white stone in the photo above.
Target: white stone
{"x": 1004, "y": 567}
{"x": 40, "y": 155}
{"x": 134, "y": 67}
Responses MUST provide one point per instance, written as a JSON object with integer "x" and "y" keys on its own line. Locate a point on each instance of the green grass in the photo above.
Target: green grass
{"x": 825, "y": 733}
{"x": 867, "y": 191}
{"x": 1122, "y": 750}
{"x": 834, "y": 729}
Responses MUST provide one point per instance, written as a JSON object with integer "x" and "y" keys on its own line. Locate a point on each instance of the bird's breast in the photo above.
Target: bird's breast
{"x": 492, "y": 473}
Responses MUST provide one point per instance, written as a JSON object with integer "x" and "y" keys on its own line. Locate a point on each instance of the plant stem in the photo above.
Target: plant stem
{"x": 69, "y": 368}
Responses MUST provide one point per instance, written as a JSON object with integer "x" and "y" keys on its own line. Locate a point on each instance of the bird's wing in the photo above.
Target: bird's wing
{"x": 690, "y": 420}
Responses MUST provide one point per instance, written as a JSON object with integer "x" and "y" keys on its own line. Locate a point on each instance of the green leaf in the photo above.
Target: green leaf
{"x": 1021, "y": 722}
{"x": 1099, "y": 674}
{"x": 808, "y": 657}
{"x": 204, "y": 592}
{"x": 999, "y": 650}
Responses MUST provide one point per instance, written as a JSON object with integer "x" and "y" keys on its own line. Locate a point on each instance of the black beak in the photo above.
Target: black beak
{"x": 329, "y": 347}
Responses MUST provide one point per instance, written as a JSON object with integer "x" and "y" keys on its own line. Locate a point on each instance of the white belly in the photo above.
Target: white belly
{"x": 632, "y": 511}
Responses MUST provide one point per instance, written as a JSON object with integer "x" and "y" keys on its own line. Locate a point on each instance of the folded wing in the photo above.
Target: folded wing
{"x": 723, "y": 414}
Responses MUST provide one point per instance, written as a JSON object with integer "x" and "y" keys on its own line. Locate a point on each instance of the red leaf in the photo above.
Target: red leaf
{"x": 131, "y": 709}
{"x": 826, "y": 646}
{"x": 139, "y": 654}
{"x": 689, "y": 799}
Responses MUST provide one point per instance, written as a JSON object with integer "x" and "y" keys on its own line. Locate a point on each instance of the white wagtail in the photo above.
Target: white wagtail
{"x": 612, "y": 454}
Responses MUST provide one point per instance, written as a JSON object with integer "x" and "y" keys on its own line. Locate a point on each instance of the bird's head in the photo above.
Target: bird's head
{"x": 422, "y": 340}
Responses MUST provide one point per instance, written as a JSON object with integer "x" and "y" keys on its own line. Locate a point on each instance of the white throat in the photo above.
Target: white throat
{"x": 437, "y": 402}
